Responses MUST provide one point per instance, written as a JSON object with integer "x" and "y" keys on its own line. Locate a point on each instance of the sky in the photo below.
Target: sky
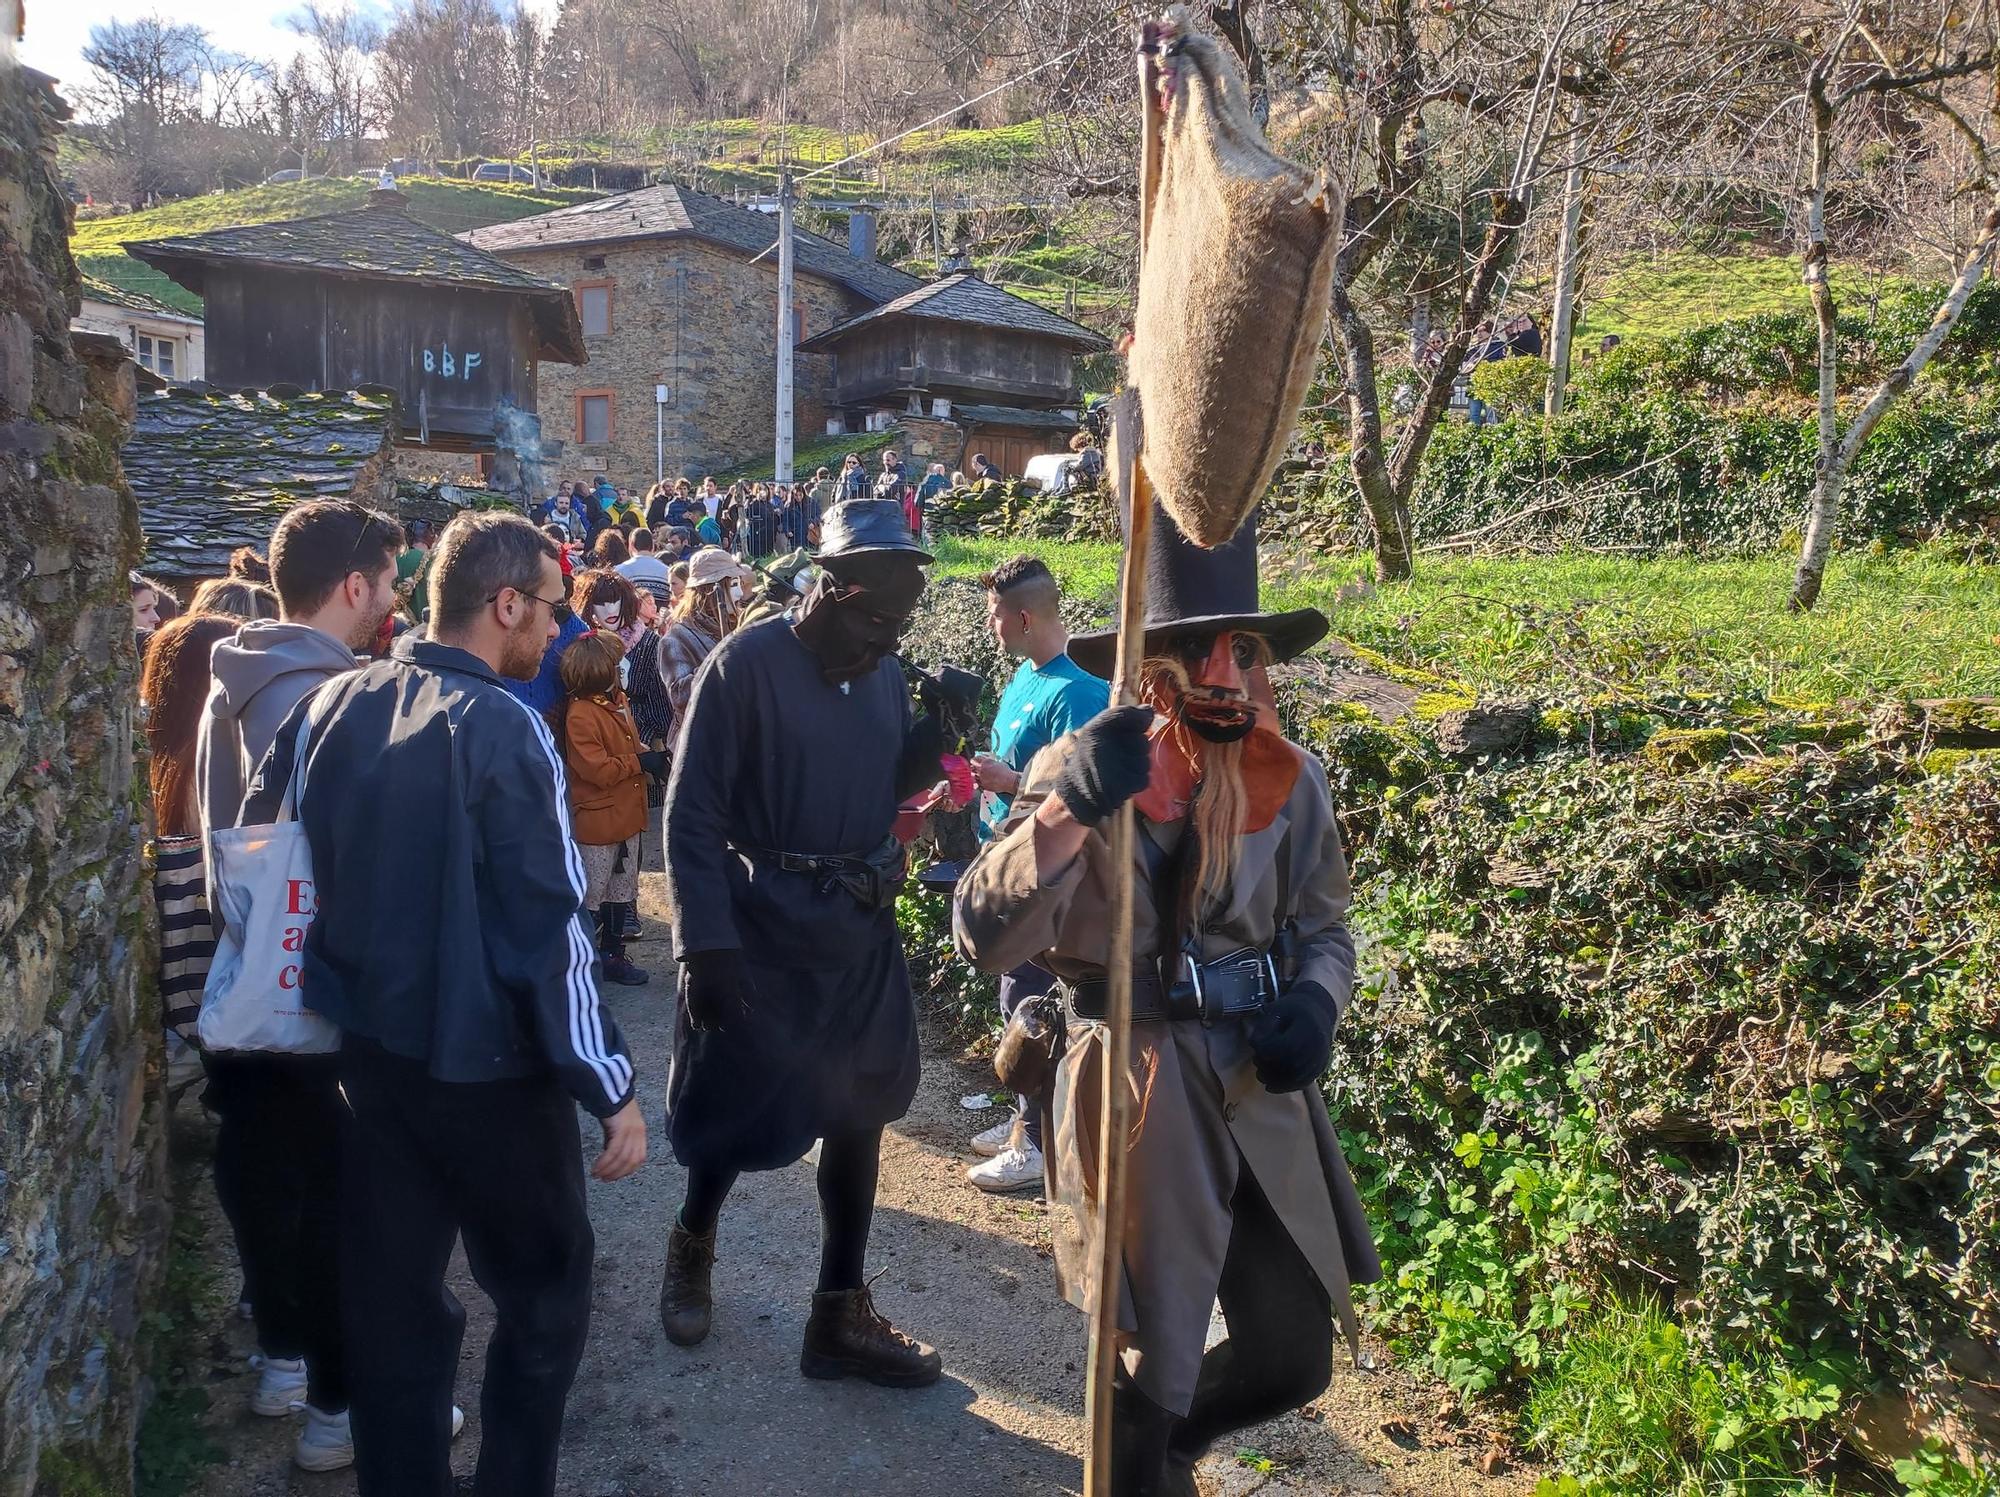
{"x": 58, "y": 30}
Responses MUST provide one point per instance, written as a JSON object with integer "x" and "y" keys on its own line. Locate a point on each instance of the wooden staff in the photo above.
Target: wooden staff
{"x": 1127, "y": 440}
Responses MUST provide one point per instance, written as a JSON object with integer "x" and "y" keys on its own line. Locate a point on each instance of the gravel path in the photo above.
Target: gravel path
{"x": 967, "y": 1272}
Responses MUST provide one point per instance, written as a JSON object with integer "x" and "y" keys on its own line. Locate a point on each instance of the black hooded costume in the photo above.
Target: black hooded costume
{"x": 780, "y": 776}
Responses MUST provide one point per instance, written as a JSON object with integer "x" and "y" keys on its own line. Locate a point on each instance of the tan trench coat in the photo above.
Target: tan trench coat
{"x": 1202, "y": 1113}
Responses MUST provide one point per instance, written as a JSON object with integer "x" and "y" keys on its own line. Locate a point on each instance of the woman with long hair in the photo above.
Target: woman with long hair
{"x": 173, "y": 690}
{"x": 610, "y": 549}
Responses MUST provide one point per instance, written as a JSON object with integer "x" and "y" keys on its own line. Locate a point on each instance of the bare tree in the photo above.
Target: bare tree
{"x": 434, "y": 65}
{"x": 1867, "y": 55}
{"x": 147, "y": 83}
{"x": 338, "y": 40}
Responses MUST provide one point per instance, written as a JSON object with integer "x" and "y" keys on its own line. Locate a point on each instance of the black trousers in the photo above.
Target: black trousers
{"x": 277, "y": 1176}
{"x": 1278, "y": 1356}
{"x": 500, "y": 1164}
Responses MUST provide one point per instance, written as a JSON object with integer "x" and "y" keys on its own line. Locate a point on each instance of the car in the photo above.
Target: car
{"x": 1050, "y": 471}
{"x": 503, "y": 171}
{"x": 289, "y": 174}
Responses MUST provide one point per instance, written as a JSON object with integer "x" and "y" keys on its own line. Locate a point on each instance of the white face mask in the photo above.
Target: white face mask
{"x": 605, "y": 616}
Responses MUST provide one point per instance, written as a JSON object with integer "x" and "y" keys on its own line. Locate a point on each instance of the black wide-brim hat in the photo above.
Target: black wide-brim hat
{"x": 867, "y": 527}
{"x": 1191, "y": 593}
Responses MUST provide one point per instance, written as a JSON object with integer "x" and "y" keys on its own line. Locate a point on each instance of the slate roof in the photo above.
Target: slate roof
{"x": 1010, "y": 415}
{"x": 966, "y": 298}
{"x": 670, "y": 211}
{"x": 96, "y": 289}
{"x": 213, "y": 472}
{"x": 371, "y": 243}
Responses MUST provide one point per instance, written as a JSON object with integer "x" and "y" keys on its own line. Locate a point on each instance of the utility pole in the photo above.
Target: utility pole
{"x": 1569, "y": 250}
{"x": 782, "y": 459}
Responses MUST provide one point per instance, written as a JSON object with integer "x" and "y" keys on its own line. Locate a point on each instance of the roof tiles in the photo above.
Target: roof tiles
{"x": 966, "y": 298}
{"x": 213, "y": 472}
{"x": 668, "y": 211}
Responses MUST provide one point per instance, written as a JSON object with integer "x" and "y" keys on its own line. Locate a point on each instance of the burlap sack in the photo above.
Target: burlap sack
{"x": 1232, "y": 297}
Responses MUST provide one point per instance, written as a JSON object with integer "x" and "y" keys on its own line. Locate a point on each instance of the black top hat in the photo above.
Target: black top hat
{"x": 1191, "y": 591}
{"x": 867, "y": 527}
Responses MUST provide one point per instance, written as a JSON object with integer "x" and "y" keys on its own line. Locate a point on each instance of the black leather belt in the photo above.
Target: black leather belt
{"x": 1226, "y": 988}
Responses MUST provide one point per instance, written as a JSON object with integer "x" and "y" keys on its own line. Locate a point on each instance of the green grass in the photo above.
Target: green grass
{"x": 1647, "y": 295}
{"x": 450, "y": 206}
{"x": 822, "y": 452}
{"x": 1636, "y": 1409}
{"x": 1914, "y": 623}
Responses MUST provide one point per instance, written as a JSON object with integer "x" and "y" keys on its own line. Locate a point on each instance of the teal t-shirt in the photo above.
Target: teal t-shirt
{"x": 1040, "y": 704}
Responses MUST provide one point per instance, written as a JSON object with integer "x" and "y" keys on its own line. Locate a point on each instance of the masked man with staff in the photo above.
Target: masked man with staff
{"x": 796, "y": 1020}
{"x": 1235, "y": 1188}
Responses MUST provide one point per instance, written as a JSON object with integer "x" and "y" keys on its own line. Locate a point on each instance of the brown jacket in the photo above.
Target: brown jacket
{"x": 1202, "y": 1115}
{"x": 607, "y": 789}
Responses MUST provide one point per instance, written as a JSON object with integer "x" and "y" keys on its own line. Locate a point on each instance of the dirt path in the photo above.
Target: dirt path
{"x": 965, "y": 1271}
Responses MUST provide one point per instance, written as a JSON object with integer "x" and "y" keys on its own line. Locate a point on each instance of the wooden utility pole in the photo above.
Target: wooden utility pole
{"x": 1127, "y": 446}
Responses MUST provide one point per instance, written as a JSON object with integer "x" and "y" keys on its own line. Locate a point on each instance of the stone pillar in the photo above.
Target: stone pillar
{"x": 82, "y": 1187}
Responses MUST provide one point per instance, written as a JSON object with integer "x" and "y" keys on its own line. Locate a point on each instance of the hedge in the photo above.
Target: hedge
{"x": 1673, "y": 1078}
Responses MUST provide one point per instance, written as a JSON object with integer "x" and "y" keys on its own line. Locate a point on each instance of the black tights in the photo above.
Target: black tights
{"x": 610, "y": 940}
{"x": 1278, "y": 1357}
{"x": 849, "y": 1165}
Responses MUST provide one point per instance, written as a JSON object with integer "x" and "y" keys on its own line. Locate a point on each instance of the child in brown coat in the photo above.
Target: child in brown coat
{"x": 607, "y": 768}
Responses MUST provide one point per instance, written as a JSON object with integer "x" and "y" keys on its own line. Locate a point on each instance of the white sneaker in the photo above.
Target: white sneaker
{"x": 326, "y": 1443}
{"x": 281, "y": 1386}
{"x": 997, "y": 1139}
{"x": 1010, "y": 1169}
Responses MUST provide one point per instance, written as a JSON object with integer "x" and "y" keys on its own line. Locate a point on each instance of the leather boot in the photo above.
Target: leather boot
{"x": 686, "y": 1307}
{"x": 847, "y": 1336}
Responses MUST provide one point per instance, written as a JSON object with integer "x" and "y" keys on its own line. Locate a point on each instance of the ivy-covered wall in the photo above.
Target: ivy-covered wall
{"x": 81, "y": 1181}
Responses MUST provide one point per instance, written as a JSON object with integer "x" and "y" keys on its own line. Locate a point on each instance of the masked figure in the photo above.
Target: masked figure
{"x": 795, "y": 1019}
{"x": 1236, "y": 1189}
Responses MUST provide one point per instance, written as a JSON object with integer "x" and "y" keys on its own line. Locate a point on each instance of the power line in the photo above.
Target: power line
{"x": 956, "y": 108}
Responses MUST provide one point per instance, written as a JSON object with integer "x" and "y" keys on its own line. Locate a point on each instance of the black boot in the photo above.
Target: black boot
{"x": 687, "y": 1309}
{"x": 611, "y": 949}
{"x": 847, "y": 1336}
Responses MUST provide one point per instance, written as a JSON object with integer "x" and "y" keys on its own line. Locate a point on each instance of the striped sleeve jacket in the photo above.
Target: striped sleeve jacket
{"x": 447, "y": 888}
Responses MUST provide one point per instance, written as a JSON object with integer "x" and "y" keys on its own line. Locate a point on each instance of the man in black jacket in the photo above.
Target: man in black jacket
{"x": 449, "y": 947}
{"x": 796, "y": 1020}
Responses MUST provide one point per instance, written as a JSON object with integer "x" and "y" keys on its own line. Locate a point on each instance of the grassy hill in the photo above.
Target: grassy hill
{"x": 1652, "y": 295}
{"x": 450, "y": 206}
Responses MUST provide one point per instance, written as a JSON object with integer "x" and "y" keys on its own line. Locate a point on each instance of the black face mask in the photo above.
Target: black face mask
{"x": 854, "y": 633}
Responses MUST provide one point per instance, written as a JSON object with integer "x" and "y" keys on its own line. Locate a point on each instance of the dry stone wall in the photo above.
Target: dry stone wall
{"x": 82, "y": 1203}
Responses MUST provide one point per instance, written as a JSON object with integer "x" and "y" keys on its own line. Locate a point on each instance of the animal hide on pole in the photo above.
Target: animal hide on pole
{"x": 1235, "y": 280}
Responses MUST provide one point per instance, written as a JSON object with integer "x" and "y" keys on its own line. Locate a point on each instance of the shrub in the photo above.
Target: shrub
{"x": 1514, "y": 386}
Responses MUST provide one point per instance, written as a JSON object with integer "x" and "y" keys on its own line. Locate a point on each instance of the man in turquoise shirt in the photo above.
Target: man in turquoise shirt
{"x": 1048, "y": 696}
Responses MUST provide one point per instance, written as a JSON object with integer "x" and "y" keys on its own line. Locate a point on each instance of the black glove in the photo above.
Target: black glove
{"x": 1292, "y": 1039}
{"x": 715, "y": 986}
{"x": 1109, "y": 763}
{"x": 653, "y": 762}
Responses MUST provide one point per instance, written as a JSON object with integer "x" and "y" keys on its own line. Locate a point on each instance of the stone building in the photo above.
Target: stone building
{"x": 671, "y": 295}
{"x": 677, "y": 291}
{"x": 82, "y": 1187}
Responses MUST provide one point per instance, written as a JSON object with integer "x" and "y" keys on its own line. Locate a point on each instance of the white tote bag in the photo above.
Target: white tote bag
{"x": 260, "y": 892}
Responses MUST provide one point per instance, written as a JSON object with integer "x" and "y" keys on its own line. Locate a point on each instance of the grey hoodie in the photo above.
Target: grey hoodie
{"x": 260, "y": 675}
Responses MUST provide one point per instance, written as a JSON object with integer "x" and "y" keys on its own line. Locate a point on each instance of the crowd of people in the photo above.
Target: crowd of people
{"x": 486, "y": 734}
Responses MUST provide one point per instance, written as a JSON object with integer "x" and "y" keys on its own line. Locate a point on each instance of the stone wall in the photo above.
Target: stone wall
{"x": 701, "y": 321}
{"x": 82, "y": 1205}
